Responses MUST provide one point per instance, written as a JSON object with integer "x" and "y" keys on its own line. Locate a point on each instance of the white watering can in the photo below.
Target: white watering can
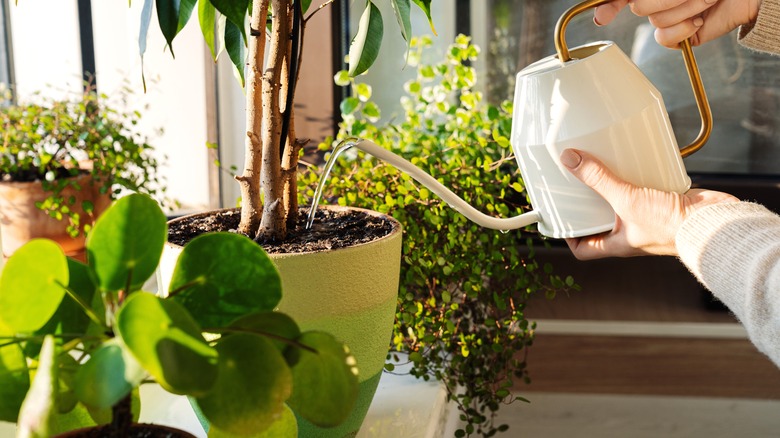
{"x": 591, "y": 98}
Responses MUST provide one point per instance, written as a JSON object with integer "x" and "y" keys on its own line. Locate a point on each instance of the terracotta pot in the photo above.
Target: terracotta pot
{"x": 136, "y": 430}
{"x": 21, "y": 220}
{"x": 350, "y": 293}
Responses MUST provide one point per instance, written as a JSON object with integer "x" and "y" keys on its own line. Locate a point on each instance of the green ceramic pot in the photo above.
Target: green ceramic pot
{"x": 350, "y": 293}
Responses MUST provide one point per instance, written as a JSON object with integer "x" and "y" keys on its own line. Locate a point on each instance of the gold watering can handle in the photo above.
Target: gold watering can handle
{"x": 690, "y": 65}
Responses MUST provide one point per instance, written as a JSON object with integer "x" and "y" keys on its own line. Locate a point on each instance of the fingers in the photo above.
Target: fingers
{"x": 681, "y": 22}
{"x": 646, "y": 8}
{"x": 686, "y": 11}
{"x": 594, "y": 174}
{"x": 672, "y": 36}
{"x": 604, "y": 14}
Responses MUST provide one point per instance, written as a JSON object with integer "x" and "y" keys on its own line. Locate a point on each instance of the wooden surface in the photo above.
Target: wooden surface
{"x": 652, "y": 291}
{"x": 631, "y": 289}
{"x": 651, "y": 366}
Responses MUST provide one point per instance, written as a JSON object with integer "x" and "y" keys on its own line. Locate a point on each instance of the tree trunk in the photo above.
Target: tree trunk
{"x": 249, "y": 180}
{"x": 273, "y": 225}
{"x": 292, "y": 146}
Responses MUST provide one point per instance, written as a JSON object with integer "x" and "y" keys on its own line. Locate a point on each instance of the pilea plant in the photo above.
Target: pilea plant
{"x": 50, "y": 140}
{"x": 215, "y": 337}
{"x": 271, "y": 147}
{"x": 460, "y": 312}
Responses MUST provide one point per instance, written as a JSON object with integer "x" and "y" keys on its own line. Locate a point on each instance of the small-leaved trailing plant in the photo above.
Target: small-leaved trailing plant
{"x": 215, "y": 338}
{"x": 464, "y": 288}
{"x": 50, "y": 141}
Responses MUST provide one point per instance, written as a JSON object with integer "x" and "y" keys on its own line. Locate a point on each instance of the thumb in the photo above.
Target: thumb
{"x": 594, "y": 174}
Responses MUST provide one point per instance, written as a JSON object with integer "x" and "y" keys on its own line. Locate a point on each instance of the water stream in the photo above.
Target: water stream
{"x": 338, "y": 150}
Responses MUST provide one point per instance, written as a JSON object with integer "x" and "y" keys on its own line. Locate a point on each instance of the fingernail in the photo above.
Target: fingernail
{"x": 698, "y": 21}
{"x": 596, "y": 22}
{"x": 570, "y": 158}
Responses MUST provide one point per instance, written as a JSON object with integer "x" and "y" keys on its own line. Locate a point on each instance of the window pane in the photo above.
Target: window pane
{"x": 743, "y": 86}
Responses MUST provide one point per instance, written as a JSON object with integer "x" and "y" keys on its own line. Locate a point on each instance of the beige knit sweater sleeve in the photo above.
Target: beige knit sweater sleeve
{"x": 764, "y": 35}
{"x": 734, "y": 251}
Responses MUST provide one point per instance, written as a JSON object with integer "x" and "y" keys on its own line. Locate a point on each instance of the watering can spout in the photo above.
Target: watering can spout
{"x": 446, "y": 194}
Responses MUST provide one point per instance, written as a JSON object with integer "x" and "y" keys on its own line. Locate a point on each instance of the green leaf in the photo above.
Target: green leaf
{"x": 39, "y": 405}
{"x": 341, "y": 78}
{"x": 108, "y": 376}
{"x": 222, "y": 276}
{"x": 235, "y": 11}
{"x": 146, "y": 18}
{"x": 234, "y": 45}
{"x": 207, "y": 18}
{"x": 425, "y": 5}
{"x": 252, "y": 384}
{"x": 275, "y": 324}
{"x": 325, "y": 383}
{"x": 32, "y": 285}
{"x": 285, "y": 426}
{"x": 364, "y": 48}
{"x": 349, "y": 105}
{"x": 167, "y": 342}
{"x": 363, "y": 91}
{"x": 125, "y": 245}
{"x": 14, "y": 381}
{"x": 185, "y": 11}
{"x": 70, "y": 317}
{"x": 172, "y": 15}
{"x": 403, "y": 11}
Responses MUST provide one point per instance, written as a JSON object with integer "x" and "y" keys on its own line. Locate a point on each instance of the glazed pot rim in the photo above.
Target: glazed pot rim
{"x": 396, "y": 228}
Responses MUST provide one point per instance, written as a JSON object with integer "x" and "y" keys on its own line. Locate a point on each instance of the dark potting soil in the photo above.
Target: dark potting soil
{"x": 136, "y": 431}
{"x": 332, "y": 229}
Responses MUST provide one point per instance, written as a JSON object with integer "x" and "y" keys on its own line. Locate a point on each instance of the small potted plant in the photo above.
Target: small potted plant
{"x": 61, "y": 163}
{"x": 214, "y": 338}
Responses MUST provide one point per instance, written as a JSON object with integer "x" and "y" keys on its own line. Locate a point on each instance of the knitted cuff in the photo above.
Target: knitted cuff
{"x": 764, "y": 34}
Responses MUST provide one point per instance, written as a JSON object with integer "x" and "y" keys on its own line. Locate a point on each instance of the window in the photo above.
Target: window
{"x": 743, "y": 86}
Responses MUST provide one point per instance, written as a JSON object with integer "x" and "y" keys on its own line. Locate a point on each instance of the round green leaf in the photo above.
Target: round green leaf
{"x": 284, "y": 427}
{"x": 271, "y": 325}
{"x": 325, "y": 383}
{"x": 69, "y": 317}
{"x": 252, "y": 385}
{"x": 222, "y": 276}
{"x": 125, "y": 245}
{"x": 108, "y": 376}
{"x": 32, "y": 285}
{"x": 167, "y": 342}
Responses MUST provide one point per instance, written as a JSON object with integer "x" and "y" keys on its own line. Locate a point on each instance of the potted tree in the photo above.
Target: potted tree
{"x": 91, "y": 336}
{"x": 357, "y": 285}
{"x": 61, "y": 163}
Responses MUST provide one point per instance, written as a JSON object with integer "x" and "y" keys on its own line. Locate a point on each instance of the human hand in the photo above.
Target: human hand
{"x": 676, "y": 20}
{"x": 646, "y": 220}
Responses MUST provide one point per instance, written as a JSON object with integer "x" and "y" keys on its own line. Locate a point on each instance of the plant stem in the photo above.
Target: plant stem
{"x": 121, "y": 418}
{"x": 84, "y": 305}
{"x": 249, "y": 180}
{"x": 260, "y": 333}
{"x": 272, "y": 224}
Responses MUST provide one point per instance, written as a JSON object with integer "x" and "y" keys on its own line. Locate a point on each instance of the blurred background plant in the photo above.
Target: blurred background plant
{"x": 51, "y": 141}
{"x": 460, "y": 315}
